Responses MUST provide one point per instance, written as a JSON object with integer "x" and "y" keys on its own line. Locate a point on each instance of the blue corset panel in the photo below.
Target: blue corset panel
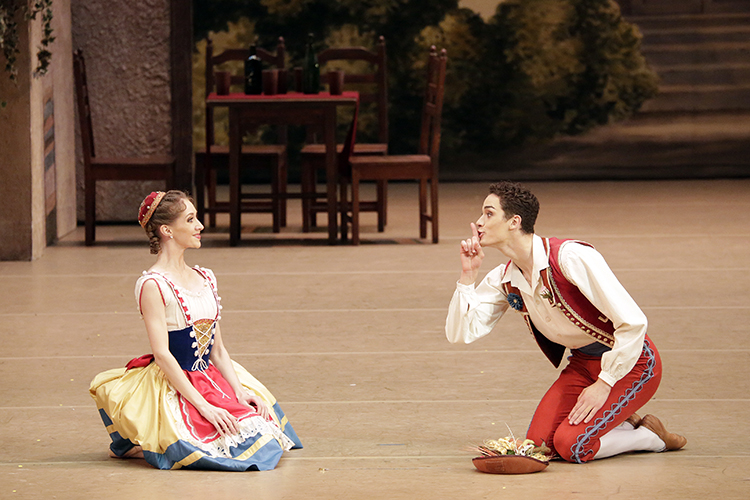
{"x": 183, "y": 347}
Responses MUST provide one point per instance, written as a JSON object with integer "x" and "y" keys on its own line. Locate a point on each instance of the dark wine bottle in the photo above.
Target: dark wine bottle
{"x": 311, "y": 69}
{"x": 253, "y": 72}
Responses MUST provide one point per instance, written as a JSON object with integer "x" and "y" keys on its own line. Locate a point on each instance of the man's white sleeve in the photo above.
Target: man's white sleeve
{"x": 473, "y": 312}
{"x": 587, "y": 269}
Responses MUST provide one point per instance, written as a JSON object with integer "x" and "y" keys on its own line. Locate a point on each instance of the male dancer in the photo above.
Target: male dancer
{"x": 569, "y": 298}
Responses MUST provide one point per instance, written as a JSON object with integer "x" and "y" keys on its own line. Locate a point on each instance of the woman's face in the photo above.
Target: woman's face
{"x": 186, "y": 228}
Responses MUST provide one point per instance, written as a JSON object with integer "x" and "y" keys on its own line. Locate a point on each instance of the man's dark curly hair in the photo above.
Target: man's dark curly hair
{"x": 517, "y": 200}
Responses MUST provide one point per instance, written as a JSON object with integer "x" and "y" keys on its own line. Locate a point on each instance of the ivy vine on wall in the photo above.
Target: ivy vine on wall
{"x": 12, "y": 12}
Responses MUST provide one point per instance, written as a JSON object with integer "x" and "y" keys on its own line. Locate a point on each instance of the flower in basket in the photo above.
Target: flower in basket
{"x": 509, "y": 455}
{"x": 513, "y": 446}
{"x": 515, "y": 301}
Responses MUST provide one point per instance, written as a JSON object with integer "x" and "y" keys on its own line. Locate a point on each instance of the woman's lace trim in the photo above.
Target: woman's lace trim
{"x": 221, "y": 446}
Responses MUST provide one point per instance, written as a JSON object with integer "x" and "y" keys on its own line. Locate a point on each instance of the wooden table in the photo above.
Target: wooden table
{"x": 293, "y": 108}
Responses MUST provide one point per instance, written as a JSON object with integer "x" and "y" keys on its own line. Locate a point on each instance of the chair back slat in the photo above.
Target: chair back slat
{"x": 231, "y": 55}
{"x": 274, "y": 58}
{"x": 348, "y": 54}
{"x": 84, "y": 108}
{"x": 432, "y": 109}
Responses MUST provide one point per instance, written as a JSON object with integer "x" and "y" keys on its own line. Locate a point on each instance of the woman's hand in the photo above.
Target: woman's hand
{"x": 248, "y": 399}
{"x": 471, "y": 257}
{"x": 220, "y": 418}
{"x": 590, "y": 401}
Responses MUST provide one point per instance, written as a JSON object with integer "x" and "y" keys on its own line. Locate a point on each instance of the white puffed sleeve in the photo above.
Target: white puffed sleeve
{"x": 473, "y": 312}
{"x": 586, "y": 268}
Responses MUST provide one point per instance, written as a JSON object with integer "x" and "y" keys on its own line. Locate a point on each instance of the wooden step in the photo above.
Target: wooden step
{"x": 646, "y": 23}
{"x": 660, "y": 7}
{"x": 705, "y": 53}
{"x": 696, "y": 35}
{"x": 700, "y": 98}
{"x": 694, "y": 7}
{"x": 704, "y": 74}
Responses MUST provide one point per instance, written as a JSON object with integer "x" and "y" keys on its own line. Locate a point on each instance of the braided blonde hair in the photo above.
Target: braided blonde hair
{"x": 170, "y": 206}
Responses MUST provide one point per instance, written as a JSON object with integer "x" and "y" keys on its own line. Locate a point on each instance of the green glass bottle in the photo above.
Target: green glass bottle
{"x": 311, "y": 69}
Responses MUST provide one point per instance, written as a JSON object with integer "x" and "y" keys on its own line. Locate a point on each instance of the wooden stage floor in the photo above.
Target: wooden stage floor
{"x": 351, "y": 342}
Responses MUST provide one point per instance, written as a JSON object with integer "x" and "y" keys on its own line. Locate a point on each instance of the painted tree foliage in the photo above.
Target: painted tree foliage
{"x": 536, "y": 69}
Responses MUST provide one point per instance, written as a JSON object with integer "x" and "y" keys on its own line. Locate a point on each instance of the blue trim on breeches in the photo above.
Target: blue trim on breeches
{"x": 580, "y": 448}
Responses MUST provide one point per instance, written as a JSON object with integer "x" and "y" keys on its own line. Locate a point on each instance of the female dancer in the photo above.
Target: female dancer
{"x": 187, "y": 405}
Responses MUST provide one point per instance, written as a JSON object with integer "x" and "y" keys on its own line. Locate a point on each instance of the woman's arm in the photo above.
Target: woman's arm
{"x": 154, "y": 317}
{"x": 220, "y": 358}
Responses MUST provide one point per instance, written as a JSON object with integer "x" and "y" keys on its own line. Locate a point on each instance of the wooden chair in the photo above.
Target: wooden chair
{"x": 95, "y": 168}
{"x": 422, "y": 167}
{"x": 376, "y": 91}
{"x": 213, "y": 157}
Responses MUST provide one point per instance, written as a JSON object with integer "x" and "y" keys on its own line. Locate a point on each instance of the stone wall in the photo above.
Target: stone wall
{"x": 127, "y": 51}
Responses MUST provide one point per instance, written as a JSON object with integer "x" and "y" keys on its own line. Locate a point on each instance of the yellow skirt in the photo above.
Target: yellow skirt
{"x": 140, "y": 407}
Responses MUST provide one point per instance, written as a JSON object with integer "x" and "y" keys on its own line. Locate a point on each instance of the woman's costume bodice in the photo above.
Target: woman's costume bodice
{"x": 191, "y": 317}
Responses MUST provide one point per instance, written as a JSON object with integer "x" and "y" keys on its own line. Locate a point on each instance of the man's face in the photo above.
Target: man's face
{"x": 493, "y": 226}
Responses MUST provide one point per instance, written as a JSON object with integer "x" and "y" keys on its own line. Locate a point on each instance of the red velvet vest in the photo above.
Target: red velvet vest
{"x": 564, "y": 295}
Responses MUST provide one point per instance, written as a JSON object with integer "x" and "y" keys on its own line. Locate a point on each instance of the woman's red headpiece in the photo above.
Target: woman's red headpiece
{"x": 148, "y": 206}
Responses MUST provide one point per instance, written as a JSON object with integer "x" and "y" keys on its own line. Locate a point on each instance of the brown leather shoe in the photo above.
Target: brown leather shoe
{"x": 634, "y": 420}
{"x": 671, "y": 440}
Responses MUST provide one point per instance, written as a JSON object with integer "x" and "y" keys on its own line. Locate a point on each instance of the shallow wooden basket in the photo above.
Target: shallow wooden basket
{"x": 509, "y": 464}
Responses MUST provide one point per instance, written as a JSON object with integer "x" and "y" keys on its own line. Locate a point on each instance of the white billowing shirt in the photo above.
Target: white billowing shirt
{"x": 473, "y": 312}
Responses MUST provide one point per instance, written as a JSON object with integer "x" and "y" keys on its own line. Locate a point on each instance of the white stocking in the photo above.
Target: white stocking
{"x": 623, "y": 438}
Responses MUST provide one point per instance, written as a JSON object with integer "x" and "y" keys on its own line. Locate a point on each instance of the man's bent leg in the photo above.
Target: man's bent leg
{"x": 560, "y": 399}
{"x": 580, "y": 443}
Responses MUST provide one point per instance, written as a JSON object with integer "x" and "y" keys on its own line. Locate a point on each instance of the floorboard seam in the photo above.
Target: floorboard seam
{"x": 307, "y": 311}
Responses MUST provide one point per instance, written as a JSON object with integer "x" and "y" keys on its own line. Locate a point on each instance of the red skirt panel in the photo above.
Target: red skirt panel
{"x": 217, "y": 391}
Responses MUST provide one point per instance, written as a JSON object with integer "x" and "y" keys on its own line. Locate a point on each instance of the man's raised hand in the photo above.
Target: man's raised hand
{"x": 471, "y": 257}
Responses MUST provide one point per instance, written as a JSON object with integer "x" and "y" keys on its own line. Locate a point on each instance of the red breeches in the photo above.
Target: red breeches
{"x": 579, "y": 443}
